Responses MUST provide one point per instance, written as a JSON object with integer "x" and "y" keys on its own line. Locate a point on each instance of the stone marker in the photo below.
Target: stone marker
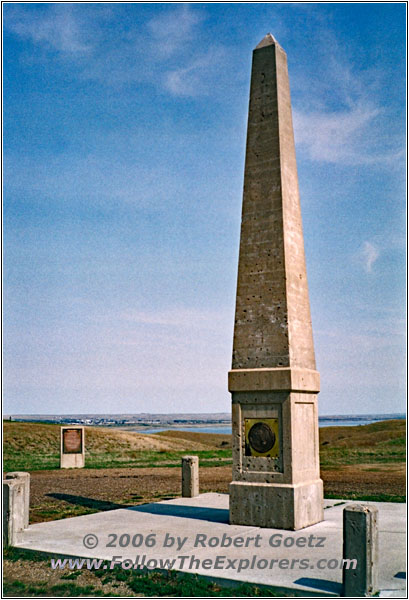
{"x": 273, "y": 381}
{"x": 190, "y": 476}
{"x": 25, "y": 477}
{"x": 72, "y": 447}
{"x": 360, "y": 543}
{"x": 13, "y": 511}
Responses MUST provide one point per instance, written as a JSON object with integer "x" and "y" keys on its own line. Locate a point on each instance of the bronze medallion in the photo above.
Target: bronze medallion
{"x": 261, "y": 438}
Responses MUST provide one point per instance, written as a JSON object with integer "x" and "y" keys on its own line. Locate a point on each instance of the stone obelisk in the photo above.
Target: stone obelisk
{"x": 273, "y": 381}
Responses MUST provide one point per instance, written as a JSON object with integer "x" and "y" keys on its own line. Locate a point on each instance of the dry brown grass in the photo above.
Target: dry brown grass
{"x": 373, "y": 435}
{"x": 210, "y": 440}
{"x": 35, "y": 437}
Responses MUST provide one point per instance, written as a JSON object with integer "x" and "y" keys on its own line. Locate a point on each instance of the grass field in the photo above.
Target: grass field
{"x": 28, "y": 574}
{"x": 35, "y": 446}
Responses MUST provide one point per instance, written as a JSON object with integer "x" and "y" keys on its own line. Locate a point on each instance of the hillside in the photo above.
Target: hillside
{"x": 364, "y": 435}
{"x": 33, "y": 446}
{"x": 382, "y": 442}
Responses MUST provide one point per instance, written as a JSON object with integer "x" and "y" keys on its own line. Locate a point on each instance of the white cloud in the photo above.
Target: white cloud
{"x": 340, "y": 117}
{"x": 172, "y": 29}
{"x": 190, "y": 319}
{"x": 335, "y": 136}
{"x": 56, "y": 29}
{"x": 196, "y": 77}
{"x": 370, "y": 254}
{"x": 168, "y": 51}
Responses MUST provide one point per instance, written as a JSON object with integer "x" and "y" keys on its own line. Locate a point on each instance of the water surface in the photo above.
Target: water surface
{"x": 347, "y": 421}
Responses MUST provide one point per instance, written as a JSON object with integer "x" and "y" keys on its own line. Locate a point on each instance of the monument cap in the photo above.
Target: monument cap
{"x": 268, "y": 40}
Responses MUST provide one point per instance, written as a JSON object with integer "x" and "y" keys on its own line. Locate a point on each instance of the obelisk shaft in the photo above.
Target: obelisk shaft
{"x": 273, "y": 323}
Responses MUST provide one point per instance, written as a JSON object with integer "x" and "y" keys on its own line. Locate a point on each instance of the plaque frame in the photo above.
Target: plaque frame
{"x": 69, "y": 430}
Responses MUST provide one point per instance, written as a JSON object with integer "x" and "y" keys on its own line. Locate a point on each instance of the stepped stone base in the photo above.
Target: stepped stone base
{"x": 279, "y": 506}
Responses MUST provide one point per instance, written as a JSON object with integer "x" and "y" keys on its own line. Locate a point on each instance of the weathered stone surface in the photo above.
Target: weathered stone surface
{"x": 283, "y": 378}
{"x": 190, "y": 476}
{"x": 13, "y": 511}
{"x": 360, "y": 543}
{"x": 72, "y": 448}
{"x": 273, "y": 378}
{"x": 25, "y": 478}
{"x": 281, "y": 506}
{"x": 273, "y": 323}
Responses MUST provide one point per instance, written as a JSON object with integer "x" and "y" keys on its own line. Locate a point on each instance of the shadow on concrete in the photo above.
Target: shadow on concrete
{"x": 400, "y": 575}
{"x": 216, "y": 515}
{"x": 87, "y": 502}
{"x": 321, "y": 584}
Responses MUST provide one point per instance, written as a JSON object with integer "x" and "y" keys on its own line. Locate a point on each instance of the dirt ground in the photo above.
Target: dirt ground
{"x": 366, "y": 479}
{"x": 53, "y": 492}
{"x": 104, "y": 489}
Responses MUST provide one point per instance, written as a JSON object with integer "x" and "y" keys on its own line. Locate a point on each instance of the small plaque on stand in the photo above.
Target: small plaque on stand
{"x": 72, "y": 441}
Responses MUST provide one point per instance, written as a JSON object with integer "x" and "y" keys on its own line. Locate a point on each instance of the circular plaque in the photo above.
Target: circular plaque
{"x": 261, "y": 438}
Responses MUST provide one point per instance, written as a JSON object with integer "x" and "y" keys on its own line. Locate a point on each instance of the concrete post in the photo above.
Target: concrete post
{"x": 25, "y": 477}
{"x": 190, "y": 476}
{"x": 360, "y": 543}
{"x": 13, "y": 511}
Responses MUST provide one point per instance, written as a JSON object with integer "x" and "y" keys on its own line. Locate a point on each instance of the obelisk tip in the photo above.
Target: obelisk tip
{"x": 267, "y": 40}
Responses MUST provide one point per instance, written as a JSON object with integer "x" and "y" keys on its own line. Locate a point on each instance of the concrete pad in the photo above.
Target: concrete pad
{"x": 208, "y": 515}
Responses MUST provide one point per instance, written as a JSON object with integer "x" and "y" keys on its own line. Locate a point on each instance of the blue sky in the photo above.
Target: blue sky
{"x": 124, "y": 140}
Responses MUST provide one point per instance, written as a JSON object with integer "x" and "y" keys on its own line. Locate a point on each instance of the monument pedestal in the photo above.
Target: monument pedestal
{"x": 278, "y": 506}
{"x": 276, "y": 480}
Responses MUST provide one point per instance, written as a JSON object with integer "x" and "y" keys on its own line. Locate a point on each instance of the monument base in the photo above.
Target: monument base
{"x": 72, "y": 461}
{"x": 277, "y": 506}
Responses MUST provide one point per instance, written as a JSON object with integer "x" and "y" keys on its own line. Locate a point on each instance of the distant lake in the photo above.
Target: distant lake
{"x": 199, "y": 429}
{"x": 323, "y": 422}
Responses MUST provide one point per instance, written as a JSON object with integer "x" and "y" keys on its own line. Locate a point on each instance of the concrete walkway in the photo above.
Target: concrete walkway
{"x": 250, "y": 554}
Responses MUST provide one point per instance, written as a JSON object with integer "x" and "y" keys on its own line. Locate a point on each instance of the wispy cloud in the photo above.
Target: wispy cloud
{"x": 194, "y": 78}
{"x": 177, "y": 35}
{"x": 370, "y": 254}
{"x": 56, "y": 29}
{"x": 168, "y": 51}
{"x": 171, "y": 30}
{"x": 335, "y": 136}
{"x": 185, "y": 318}
{"x": 340, "y": 118}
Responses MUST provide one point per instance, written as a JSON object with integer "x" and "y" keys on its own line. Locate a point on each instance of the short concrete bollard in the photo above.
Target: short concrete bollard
{"x": 360, "y": 543}
{"x": 13, "y": 511}
{"x": 190, "y": 476}
{"x": 25, "y": 477}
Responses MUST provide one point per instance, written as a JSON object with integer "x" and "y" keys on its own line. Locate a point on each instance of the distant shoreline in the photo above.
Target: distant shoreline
{"x": 199, "y": 423}
{"x": 226, "y": 429}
